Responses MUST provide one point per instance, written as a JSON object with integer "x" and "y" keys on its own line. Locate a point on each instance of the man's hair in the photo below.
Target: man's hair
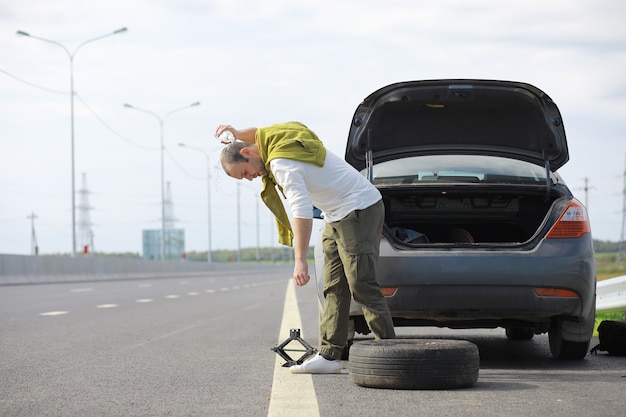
{"x": 231, "y": 154}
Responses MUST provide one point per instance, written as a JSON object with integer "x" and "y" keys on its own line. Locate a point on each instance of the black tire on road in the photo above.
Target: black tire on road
{"x": 564, "y": 349}
{"x": 414, "y": 363}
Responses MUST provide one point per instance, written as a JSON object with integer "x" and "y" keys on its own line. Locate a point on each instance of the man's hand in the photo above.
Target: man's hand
{"x": 225, "y": 128}
{"x": 301, "y": 273}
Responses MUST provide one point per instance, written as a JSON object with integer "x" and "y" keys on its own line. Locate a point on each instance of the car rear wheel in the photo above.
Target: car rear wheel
{"x": 414, "y": 363}
{"x": 519, "y": 333}
{"x": 565, "y": 349}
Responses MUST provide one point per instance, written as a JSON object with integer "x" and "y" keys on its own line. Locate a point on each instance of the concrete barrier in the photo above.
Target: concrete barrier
{"x": 23, "y": 269}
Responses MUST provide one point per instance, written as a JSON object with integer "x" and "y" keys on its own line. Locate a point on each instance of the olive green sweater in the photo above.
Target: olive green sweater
{"x": 291, "y": 140}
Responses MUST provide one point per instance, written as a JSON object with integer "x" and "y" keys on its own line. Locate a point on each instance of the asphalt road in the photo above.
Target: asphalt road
{"x": 202, "y": 347}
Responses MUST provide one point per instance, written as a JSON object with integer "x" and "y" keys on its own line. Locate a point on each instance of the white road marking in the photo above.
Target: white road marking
{"x": 54, "y": 313}
{"x": 194, "y": 293}
{"x": 81, "y": 289}
{"x": 292, "y": 395}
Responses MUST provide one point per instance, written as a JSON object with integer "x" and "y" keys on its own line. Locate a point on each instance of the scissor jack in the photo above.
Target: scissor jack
{"x": 294, "y": 334}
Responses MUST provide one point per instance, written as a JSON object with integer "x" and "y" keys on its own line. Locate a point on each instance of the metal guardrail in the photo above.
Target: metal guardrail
{"x": 611, "y": 295}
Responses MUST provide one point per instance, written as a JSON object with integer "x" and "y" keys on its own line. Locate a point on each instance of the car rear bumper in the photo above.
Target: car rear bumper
{"x": 486, "y": 286}
{"x": 462, "y": 302}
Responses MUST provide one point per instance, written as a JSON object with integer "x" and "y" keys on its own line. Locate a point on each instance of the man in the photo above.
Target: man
{"x": 291, "y": 157}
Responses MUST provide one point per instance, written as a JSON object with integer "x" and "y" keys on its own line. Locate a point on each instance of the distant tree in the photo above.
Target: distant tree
{"x": 602, "y": 246}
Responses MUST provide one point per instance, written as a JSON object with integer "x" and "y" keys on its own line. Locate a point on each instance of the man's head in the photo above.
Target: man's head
{"x": 242, "y": 160}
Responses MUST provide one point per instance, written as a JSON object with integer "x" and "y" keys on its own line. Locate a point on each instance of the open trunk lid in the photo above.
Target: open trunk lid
{"x": 499, "y": 118}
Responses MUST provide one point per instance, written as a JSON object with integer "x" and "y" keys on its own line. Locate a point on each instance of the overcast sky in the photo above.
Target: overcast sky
{"x": 253, "y": 63}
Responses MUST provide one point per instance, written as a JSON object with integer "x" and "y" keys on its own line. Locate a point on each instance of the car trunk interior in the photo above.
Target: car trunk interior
{"x": 455, "y": 215}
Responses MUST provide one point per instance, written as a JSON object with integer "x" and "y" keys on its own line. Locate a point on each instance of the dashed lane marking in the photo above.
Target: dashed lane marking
{"x": 81, "y": 289}
{"x": 292, "y": 395}
{"x": 171, "y": 296}
{"x": 54, "y": 313}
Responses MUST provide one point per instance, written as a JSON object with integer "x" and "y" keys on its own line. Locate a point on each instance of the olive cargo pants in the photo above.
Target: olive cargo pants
{"x": 351, "y": 247}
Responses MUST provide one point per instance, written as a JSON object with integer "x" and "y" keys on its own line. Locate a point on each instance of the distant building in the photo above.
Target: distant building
{"x": 174, "y": 244}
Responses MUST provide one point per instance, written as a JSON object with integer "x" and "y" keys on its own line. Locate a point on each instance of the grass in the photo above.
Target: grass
{"x": 608, "y": 266}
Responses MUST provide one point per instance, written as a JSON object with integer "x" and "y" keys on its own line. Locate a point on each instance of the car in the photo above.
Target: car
{"x": 480, "y": 229}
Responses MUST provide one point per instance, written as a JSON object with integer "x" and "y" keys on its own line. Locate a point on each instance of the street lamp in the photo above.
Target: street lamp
{"x": 208, "y": 179}
{"x": 161, "y": 122}
{"x": 71, "y": 56}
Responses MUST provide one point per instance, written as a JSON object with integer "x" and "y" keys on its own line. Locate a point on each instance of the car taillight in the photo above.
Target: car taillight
{"x": 388, "y": 291}
{"x": 555, "y": 292}
{"x": 572, "y": 224}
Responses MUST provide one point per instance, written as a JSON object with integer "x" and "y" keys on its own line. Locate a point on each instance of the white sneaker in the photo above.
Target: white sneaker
{"x": 317, "y": 365}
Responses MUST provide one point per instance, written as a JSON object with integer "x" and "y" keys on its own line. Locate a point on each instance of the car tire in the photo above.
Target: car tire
{"x": 519, "y": 333}
{"x": 565, "y": 349}
{"x": 414, "y": 363}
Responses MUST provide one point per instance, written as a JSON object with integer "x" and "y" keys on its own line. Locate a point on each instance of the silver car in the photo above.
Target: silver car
{"x": 480, "y": 229}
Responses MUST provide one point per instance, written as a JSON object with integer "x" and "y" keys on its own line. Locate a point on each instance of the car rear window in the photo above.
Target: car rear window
{"x": 457, "y": 169}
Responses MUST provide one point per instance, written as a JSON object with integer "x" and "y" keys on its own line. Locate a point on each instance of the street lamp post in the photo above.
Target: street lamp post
{"x": 161, "y": 120}
{"x": 71, "y": 56}
{"x": 208, "y": 179}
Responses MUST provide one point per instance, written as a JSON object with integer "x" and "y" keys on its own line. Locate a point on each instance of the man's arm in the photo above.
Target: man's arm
{"x": 302, "y": 236}
{"x": 247, "y": 135}
{"x": 290, "y": 175}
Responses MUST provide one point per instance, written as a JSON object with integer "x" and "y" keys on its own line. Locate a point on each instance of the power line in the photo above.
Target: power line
{"x": 50, "y": 90}
{"x": 111, "y": 129}
{"x": 179, "y": 166}
{"x": 84, "y": 103}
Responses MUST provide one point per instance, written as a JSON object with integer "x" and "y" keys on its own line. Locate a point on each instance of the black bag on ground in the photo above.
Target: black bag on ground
{"x": 612, "y": 335}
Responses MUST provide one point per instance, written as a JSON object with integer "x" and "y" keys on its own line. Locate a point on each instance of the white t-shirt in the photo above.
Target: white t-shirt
{"x": 337, "y": 188}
